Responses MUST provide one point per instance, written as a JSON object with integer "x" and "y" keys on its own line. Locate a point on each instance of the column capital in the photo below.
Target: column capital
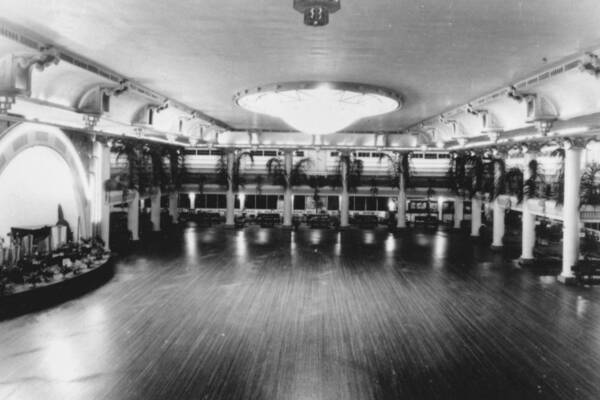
{"x": 532, "y": 148}
{"x": 575, "y": 143}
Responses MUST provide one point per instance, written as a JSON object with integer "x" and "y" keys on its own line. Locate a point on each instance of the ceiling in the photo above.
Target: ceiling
{"x": 437, "y": 54}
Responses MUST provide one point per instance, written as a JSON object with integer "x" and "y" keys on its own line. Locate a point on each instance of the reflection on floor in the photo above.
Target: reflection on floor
{"x": 270, "y": 314}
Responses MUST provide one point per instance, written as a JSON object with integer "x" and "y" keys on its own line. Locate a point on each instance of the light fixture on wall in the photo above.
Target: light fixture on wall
{"x": 316, "y": 12}
{"x": 319, "y": 108}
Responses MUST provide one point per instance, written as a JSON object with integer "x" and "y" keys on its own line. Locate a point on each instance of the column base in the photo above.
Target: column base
{"x": 229, "y": 226}
{"x": 343, "y": 228}
{"x": 567, "y": 279}
{"x": 496, "y": 247}
{"x": 287, "y": 227}
{"x": 526, "y": 261}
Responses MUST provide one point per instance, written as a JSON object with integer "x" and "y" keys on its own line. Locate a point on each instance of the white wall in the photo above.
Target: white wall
{"x": 31, "y": 187}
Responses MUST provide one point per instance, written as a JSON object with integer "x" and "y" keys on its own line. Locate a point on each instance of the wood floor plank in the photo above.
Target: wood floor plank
{"x": 311, "y": 314}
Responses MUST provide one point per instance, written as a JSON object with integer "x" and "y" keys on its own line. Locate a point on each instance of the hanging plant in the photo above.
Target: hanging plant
{"x": 532, "y": 187}
{"x": 131, "y": 150}
{"x": 201, "y": 182}
{"x": 499, "y": 178}
{"x": 590, "y": 186}
{"x": 354, "y": 170}
{"x": 558, "y": 192}
{"x": 155, "y": 153}
{"x": 474, "y": 176}
{"x": 316, "y": 182}
{"x": 514, "y": 183}
{"x": 374, "y": 190}
{"x": 457, "y": 174}
{"x": 176, "y": 158}
{"x": 258, "y": 181}
{"x": 237, "y": 180}
{"x": 276, "y": 171}
{"x": 399, "y": 166}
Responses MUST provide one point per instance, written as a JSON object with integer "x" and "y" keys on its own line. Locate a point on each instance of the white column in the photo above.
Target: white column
{"x": 571, "y": 215}
{"x": 100, "y": 207}
{"x": 344, "y": 206}
{"x": 133, "y": 216}
{"x": 498, "y": 224}
{"x": 475, "y": 215}
{"x": 155, "y": 209}
{"x": 230, "y": 212}
{"x": 458, "y": 212}
{"x": 528, "y": 218}
{"x": 173, "y": 210}
{"x": 192, "y": 197}
{"x": 401, "y": 206}
{"x": 287, "y": 195}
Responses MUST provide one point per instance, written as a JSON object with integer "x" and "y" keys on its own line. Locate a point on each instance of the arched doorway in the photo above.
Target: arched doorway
{"x": 39, "y": 169}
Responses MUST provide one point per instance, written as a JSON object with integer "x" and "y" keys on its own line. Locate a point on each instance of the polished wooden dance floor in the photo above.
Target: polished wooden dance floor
{"x": 265, "y": 314}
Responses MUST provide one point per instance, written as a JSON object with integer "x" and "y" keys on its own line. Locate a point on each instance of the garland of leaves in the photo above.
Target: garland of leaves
{"x": 147, "y": 164}
{"x": 354, "y": 170}
{"x": 398, "y": 167}
{"x": 590, "y": 188}
{"x": 236, "y": 180}
{"x": 276, "y": 171}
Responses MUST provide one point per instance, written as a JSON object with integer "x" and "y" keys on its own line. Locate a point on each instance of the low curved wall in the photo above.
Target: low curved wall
{"x": 42, "y": 297}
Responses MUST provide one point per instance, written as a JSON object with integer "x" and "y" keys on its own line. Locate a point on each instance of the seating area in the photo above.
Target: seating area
{"x": 366, "y": 221}
{"x": 321, "y": 221}
{"x": 266, "y": 220}
{"x": 587, "y": 271}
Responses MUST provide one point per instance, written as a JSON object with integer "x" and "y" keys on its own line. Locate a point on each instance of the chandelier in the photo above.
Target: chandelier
{"x": 319, "y": 108}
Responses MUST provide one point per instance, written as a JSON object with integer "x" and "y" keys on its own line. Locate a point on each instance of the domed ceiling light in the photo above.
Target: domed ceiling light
{"x": 316, "y": 12}
{"x": 318, "y": 108}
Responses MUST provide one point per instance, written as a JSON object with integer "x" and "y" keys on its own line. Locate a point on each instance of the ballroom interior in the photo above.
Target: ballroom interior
{"x": 300, "y": 199}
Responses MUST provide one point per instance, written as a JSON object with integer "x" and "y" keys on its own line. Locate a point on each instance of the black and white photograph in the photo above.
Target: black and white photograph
{"x": 299, "y": 199}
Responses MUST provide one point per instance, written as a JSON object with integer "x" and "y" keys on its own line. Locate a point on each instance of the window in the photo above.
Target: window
{"x": 364, "y": 155}
{"x": 271, "y": 202}
{"x": 164, "y": 201}
{"x": 431, "y": 156}
{"x": 270, "y": 153}
{"x": 382, "y": 203}
{"x": 189, "y": 152}
{"x": 416, "y": 155}
{"x": 211, "y": 201}
{"x": 334, "y": 153}
{"x": 299, "y": 202}
{"x": 359, "y": 203}
{"x": 299, "y": 154}
{"x": 203, "y": 152}
{"x": 183, "y": 200}
{"x": 250, "y": 201}
{"x": 261, "y": 202}
{"x": 443, "y": 155}
{"x": 200, "y": 201}
{"x": 333, "y": 203}
{"x": 221, "y": 201}
{"x": 370, "y": 204}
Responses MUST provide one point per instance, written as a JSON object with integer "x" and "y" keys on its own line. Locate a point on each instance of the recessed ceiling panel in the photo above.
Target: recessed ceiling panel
{"x": 437, "y": 53}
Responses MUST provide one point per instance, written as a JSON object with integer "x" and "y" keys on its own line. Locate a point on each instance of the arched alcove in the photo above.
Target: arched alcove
{"x": 40, "y": 169}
